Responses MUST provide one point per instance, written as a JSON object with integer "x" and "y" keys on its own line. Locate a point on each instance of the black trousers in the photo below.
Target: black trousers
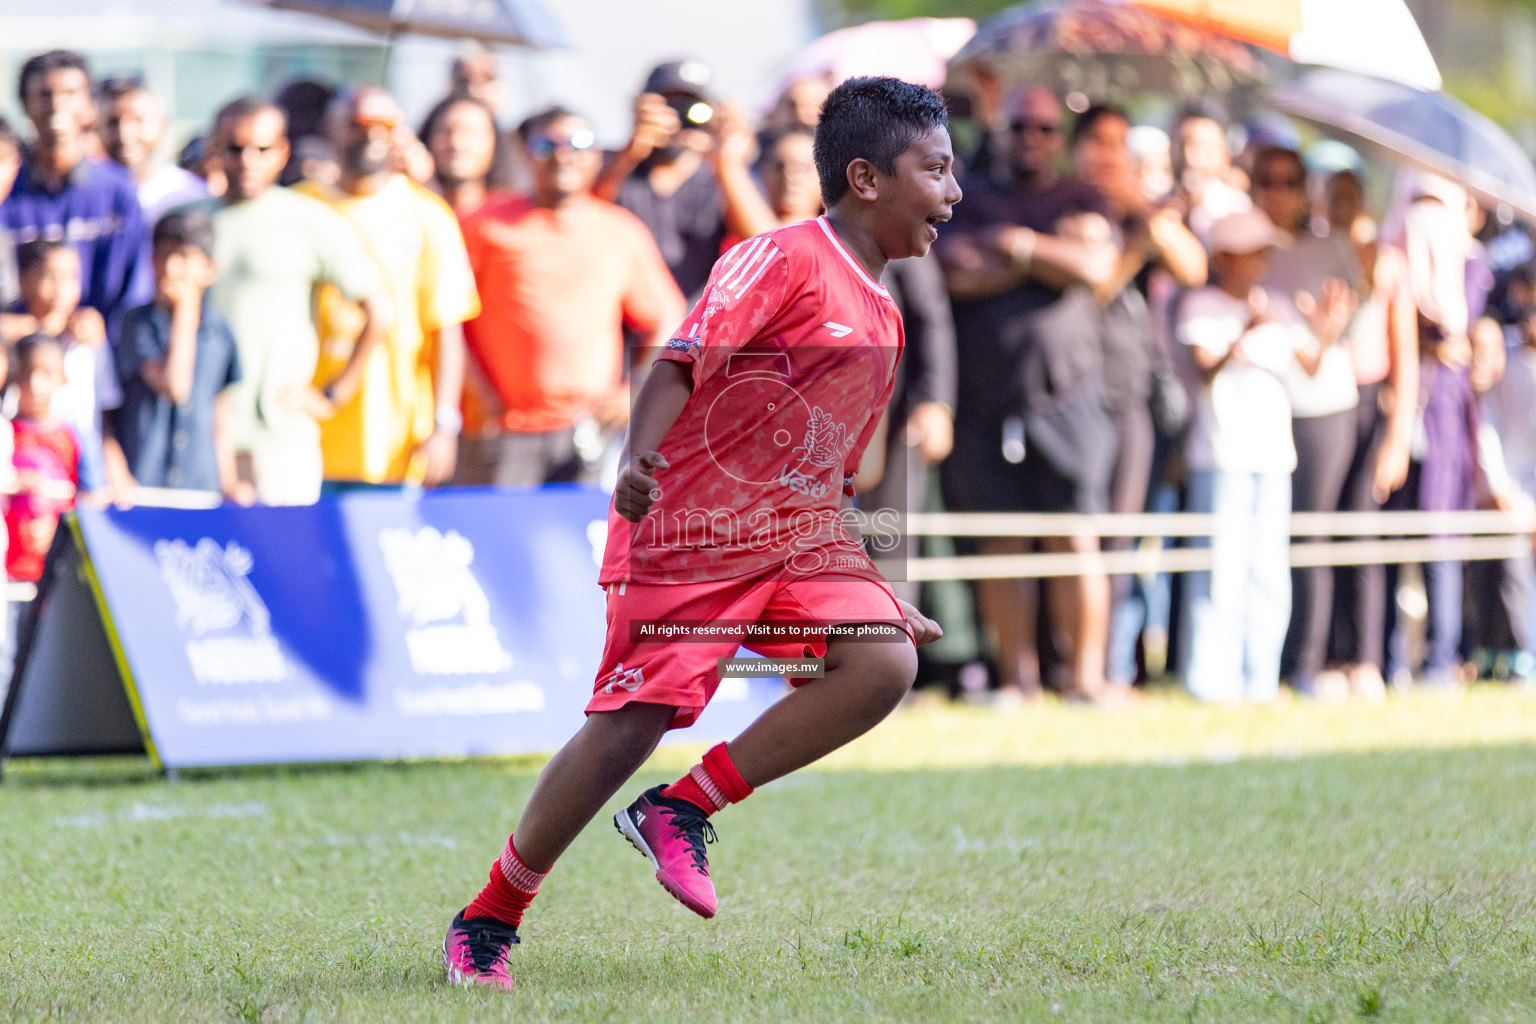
{"x": 519, "y": 460}
{"x": 1498, "y": 614}
{"x": 1325, "y": 447}
{"x": 1360, "y": 591}
{"x": 1130, "y": 479}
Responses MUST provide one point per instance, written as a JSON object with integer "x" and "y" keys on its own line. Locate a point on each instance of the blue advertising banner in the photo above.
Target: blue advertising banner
{"x": 375, "y": 626}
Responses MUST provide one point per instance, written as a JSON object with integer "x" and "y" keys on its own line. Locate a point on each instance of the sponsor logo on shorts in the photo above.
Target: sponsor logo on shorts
{"x": 630, "y": 679}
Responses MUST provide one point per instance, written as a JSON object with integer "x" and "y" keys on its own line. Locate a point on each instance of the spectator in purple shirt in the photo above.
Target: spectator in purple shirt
{"x": 63, "y": 193}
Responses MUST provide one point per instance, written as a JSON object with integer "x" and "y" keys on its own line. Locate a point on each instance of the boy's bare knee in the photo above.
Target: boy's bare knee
{"x": 903, "y": 669}
{"x": 890, "y": 670}
{"x": 632, "y": 733}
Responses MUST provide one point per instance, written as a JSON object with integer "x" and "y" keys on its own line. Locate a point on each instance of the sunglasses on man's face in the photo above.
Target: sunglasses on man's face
{"x": 542, "y": 147}
{"x": 1280, "y": 184}
{"x": 1036, "y": 127}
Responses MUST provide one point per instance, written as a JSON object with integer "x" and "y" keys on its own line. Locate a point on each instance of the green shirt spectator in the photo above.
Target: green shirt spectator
{"x": 272, "y": 252}
{"x": 273, "y": 249}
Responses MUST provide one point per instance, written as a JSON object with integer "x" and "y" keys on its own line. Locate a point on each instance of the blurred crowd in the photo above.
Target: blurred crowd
{"x": 1199, "y": 315}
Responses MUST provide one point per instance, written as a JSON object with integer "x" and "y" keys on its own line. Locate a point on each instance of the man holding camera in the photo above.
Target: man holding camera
{"x": 686, "y": 173}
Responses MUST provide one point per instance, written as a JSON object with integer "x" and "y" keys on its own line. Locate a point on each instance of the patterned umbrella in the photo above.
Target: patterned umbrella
{"x": 519, "y": 22}
{"x": 1105, "y": 51}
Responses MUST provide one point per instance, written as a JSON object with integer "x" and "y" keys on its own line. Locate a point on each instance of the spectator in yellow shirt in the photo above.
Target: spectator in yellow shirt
{"x": 402, "y": 426}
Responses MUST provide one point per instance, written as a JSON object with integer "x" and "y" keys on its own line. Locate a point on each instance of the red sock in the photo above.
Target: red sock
{"x": 511, "y": 888}
{"x": 686, "y": 788}
{"x": 712, "y": 783}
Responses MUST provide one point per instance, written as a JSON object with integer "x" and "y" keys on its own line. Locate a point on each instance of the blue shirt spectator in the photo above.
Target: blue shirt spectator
{"x": 169, "y": 444}
{"x": 97, "y": 211}
{"x": 61, "y": 193}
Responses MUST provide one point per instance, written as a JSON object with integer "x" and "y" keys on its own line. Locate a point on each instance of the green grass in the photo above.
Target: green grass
{"x": 1171, "y": 863}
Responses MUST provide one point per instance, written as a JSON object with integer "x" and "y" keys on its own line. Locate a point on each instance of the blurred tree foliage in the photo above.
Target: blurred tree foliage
{"x": 1496, "y": 92}
{"x": 837, "y": 13}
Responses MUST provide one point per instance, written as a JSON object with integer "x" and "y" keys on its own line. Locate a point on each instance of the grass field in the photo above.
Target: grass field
{"x": 1172, "y": 863}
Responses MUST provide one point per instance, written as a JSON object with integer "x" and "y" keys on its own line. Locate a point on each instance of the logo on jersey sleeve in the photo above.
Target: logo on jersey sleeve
{"x": 838, "y": 330}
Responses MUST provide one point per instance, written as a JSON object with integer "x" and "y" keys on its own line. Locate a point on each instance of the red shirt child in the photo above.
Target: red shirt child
{"x": 730, "y": 509}
{"x": 47, "y": 459}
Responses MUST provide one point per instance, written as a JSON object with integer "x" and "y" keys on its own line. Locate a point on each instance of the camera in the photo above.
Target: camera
{"x": 691, "y": 111}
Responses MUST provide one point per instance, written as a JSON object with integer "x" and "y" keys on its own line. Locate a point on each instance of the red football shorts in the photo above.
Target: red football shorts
{"x": 683, "y": 673}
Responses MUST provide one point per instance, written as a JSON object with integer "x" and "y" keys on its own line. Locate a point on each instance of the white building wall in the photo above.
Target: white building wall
{"x": 615, "y": 42}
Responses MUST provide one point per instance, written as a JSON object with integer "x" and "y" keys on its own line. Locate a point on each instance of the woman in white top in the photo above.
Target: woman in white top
{"x": 1311, "y": 269}
{"x": 1246, "y": 341}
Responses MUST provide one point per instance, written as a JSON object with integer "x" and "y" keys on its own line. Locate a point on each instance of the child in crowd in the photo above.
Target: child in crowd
{"x": 50, "y": 295}
{"x": 174, "y": 361}
{"x": 7, "y": 487}
{"x": 1244, "y": 341}
{"x": 47, "y": 457}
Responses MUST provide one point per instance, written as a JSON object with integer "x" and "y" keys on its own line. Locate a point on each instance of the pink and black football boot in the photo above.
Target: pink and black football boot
{"x": 478, "y": 951}
{"x": 672, "y": 833}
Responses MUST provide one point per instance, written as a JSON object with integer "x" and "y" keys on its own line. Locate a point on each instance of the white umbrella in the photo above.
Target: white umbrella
{"x": 915, "y": 50}
{"x": 1371, "y": 37}
{"x": 1428, "y": 130}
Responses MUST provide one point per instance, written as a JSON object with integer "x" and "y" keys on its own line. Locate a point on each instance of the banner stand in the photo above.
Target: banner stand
{"x": 70, "y": 693}
{"x": 372, "y": 627}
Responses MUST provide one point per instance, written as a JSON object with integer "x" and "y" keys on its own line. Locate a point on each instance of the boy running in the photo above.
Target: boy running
{"x": 742, "y": 446}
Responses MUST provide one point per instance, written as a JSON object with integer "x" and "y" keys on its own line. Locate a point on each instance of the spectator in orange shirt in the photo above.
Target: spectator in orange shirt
{"x": 561, "y": 273}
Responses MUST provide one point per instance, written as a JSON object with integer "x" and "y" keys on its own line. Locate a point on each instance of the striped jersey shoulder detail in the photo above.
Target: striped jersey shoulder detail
{"x": 744, "y": 265}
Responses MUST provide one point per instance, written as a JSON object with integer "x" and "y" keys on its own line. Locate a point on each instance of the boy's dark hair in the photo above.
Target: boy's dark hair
{"x": 30, "y": 255}
{"x": 1201, "y": 108}
{"x": 1092, "y": 116}
{"x": 26, "y": 348}
{"x": 1269, "y": 153}
{"x": 119, "y": 86}
{"x": 244, "y": 107}
{"x": 190, "y": 226}
{"x": 536, "y": 123}
{"x": 872, "y": 119}
{"x": 8, "y": 137}
{"x": 43, "y": 63}
{"x": 438, "y": 112}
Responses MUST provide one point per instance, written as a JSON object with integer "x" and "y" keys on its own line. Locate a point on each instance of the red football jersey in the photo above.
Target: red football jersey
{"x": 793, "y": 350}
{"x": 52, "y": 452}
